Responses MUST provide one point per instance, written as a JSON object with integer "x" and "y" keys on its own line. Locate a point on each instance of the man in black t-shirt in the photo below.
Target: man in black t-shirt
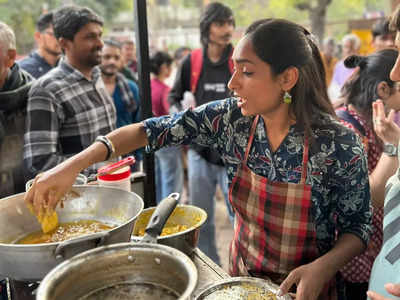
{"x": 206, "y": 72}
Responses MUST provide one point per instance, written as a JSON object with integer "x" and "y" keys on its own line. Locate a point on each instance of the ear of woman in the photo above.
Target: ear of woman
{"x": 288, "y": 78}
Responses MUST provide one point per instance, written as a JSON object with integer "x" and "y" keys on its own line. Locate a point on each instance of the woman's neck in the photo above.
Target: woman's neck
{"x": 277, "y": 126}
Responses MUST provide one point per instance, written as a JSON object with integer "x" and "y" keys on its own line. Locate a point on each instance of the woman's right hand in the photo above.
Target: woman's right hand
{"x": 385, "y": 127}
{"x": 49, "y": 187}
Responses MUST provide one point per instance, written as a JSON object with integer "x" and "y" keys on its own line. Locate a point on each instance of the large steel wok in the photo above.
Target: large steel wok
{"x": 32, "y": 262}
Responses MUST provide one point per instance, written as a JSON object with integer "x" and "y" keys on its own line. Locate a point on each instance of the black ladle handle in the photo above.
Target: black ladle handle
{"x": 162, "y": 212}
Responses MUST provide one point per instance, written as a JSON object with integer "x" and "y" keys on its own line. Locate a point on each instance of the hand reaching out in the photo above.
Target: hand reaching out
{"x": 385, "y": 127}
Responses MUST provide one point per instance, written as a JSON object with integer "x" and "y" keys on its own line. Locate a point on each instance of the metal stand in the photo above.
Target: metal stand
{"x": 144, "y": 93}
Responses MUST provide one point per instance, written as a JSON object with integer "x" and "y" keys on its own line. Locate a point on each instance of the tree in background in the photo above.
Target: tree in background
{"x": 314, "y": 14}
{"x": 21, "y": 15}
{"x": 317, "y": 15}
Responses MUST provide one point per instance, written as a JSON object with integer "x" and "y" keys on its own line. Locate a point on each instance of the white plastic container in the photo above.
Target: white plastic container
{"x": 119, "y": 179}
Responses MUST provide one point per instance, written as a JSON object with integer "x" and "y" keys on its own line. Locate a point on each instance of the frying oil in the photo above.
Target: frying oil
{"x": 65, "y": 231}
{"x": 132, "y": 291}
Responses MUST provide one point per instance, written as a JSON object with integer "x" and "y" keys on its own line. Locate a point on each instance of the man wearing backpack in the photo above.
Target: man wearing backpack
{"x": 205, "y": 73}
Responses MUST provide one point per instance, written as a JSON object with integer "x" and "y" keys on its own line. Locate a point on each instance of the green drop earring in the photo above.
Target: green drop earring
{"x": 287, "y": 98}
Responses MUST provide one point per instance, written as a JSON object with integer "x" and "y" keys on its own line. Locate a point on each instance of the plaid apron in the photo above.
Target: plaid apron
{"x": 274, "y": 229}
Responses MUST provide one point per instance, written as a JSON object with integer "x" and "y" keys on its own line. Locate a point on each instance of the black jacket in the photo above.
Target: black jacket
{"x": 210, "y": 71}
{"x": 13, "y": 99}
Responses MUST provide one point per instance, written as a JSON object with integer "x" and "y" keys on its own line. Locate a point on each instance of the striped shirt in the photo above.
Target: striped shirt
{"x": 65, "y": 114}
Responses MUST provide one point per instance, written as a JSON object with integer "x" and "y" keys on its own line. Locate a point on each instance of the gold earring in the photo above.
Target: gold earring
{"x": 287, "y": 98}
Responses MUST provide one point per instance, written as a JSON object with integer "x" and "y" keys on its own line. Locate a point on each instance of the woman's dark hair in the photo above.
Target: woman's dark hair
{"x": 157, "y": 60}
{"x": 214, "y": 12}
{"x": 283, "y": 44}
{"x": 362, "y": 87}
{"x": 68, "y": 20}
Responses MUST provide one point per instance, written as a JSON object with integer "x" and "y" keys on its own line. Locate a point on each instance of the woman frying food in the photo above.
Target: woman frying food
{"x": 298, "y": 178}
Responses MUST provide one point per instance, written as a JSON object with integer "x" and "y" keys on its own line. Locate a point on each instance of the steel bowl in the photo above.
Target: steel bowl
{"x": 186, "y": 241}
{"x": 240, "y": 288}
{"x": 105, "y": 269}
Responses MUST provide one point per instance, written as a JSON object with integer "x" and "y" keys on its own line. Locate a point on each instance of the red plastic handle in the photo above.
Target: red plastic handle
{"x": 130, "y": 160}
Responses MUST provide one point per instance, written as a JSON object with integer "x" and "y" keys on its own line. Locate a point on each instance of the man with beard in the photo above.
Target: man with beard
{"x": 48, "y": 53}
{"x": 14, "y": 86}
{"x": 124, "y": 92}
{"x": 205, "y": 73}
{"x": 69, "y": 106}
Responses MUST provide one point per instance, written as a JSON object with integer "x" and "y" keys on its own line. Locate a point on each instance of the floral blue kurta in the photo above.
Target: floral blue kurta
{"x": 337, "y": 167}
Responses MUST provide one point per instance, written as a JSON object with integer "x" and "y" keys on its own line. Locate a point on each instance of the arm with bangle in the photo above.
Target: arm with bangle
{"x": 124, "y": 140}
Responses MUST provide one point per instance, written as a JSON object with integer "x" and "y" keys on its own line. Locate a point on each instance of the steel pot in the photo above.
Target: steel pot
{"x": 186, "y": 241}
{"x": 32, "y": 262}
{"x": 126, "y": 271}
{"x": 126, "y": 263}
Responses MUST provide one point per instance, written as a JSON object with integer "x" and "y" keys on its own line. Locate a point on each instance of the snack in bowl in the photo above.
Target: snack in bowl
{"x": 242, "y": 288}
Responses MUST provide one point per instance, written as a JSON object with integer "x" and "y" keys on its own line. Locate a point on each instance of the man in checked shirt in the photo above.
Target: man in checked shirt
{"x": 69, "y": 106}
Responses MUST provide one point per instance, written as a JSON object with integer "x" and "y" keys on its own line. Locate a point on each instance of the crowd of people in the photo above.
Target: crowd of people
{"x": 303, "y": 147}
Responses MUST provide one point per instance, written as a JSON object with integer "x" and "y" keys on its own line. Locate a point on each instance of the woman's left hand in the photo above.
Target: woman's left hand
{"x": 309, "y": 280}
{"x": 384, "y": 126}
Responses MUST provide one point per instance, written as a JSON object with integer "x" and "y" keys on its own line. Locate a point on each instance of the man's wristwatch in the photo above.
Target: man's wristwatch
{"x": 390, "y": 149}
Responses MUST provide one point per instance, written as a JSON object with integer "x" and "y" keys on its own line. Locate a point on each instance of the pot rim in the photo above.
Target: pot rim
{"x": 45, "y": 245}
{"x": 204, "y": 217}
{"x": 58, "y": 272}
{"x": 208, "y": 289}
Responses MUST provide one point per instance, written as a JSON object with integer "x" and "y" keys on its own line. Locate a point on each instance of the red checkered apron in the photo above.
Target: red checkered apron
{"x": 274, "y": 229}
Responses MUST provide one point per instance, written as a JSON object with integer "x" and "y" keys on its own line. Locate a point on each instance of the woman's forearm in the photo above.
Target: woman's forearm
{"x": 346, "y": 248}
{"x": 128, "y": 138}
{"x": 125, "y": 140}
{"x": 385, "y": 168}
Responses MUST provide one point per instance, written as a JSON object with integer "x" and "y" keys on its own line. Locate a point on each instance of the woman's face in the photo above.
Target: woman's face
{"x": 253, "y": 83}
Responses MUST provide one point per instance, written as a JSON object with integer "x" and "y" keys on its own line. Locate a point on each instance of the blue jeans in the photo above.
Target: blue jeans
{"x": 168, "y": 172}
{"x": 203, "y": 180}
